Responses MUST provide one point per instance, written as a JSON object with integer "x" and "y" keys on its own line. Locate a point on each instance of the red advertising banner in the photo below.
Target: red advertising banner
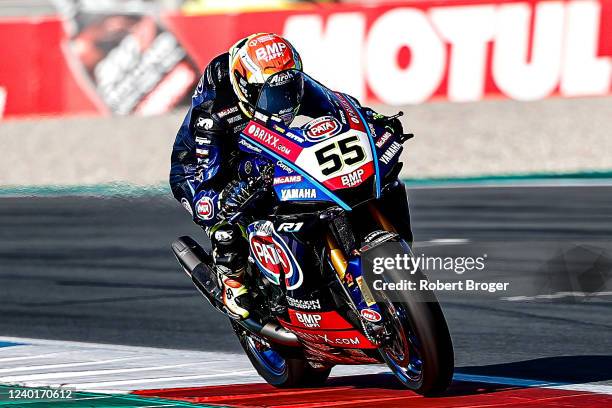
{"x": 401, "y": 53}
{"x": 37, "y": 76}
{"x": 412, "y": 52}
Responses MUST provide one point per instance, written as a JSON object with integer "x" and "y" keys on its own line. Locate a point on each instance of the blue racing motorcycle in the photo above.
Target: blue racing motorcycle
{"x": 312, "y": 306}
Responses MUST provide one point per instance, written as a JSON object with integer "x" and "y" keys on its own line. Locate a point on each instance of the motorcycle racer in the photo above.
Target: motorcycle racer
{"x": 205, "y": 177}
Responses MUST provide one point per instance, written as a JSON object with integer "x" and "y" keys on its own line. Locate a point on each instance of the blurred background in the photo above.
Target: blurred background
{"x": 510, "y": 102}
{"x": 490, "y": 88}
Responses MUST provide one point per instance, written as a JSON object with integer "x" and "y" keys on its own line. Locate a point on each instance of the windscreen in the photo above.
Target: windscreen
{"x": 282, "y": 94}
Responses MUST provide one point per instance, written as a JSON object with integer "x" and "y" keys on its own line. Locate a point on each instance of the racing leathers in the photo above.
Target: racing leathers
{"x": 205, "y": 175}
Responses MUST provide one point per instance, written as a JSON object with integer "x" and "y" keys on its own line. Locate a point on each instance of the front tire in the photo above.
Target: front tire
{"x": 420, "y": 353}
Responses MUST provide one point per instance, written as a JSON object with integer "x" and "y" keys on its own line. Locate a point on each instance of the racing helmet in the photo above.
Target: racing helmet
{"x": 256, "y": 58}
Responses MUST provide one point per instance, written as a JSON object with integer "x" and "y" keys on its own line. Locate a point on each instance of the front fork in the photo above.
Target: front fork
{"x": 349, "y": 272}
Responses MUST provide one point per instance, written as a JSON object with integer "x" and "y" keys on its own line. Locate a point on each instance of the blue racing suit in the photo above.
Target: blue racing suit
{"x": 205, "y": 155}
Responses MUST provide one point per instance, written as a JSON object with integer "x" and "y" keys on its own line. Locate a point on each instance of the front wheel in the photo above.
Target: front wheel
{"x": 420, "y": 353}
{"x": 420, "y": 349}
{"x": 281, "y": 367}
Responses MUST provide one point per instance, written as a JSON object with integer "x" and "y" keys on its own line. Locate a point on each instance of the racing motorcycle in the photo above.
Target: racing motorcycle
{"x": 311, "y": 306}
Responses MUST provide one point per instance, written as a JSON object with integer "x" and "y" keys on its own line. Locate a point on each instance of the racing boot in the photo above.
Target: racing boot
{"x": 229, "y": 254}
{"x": 235, "y": 294}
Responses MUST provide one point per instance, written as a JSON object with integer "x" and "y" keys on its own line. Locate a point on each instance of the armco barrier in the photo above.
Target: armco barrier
{"x": 396, "y": 54}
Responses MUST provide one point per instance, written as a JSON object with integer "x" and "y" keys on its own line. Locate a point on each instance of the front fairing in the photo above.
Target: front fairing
{"x": 337, "y": 156}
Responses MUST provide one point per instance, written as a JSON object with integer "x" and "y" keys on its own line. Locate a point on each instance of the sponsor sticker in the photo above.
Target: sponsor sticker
{"x": 298, "y": 194}
{"x": 383, "y": 139}
{"x": 353, "y": 179}
{"x": 321, "y": 128}
{"x": 314, "y": 304}
{"x": 371, "y": 315}
{"x": 391, "y": 152}
{"x": 269, "y": 52}
{"x": 273, "y": 256}
{"x": 283, "y": 166}
{"x": 205, "y": 208}
{"x": 353, "y": 116}
{"x": 273, "y": 141}
{"x": 365, "y": 291}
{"x": 227, "y": 111}
{"x": 295, "y": 178}
{"x": 204, "y": 123}
{"x": 249, "y": 146}
{"x": 309, "y": 320}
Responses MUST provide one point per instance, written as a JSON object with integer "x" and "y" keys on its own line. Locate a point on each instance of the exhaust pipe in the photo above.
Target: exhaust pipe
{"x": 196, "y": 263}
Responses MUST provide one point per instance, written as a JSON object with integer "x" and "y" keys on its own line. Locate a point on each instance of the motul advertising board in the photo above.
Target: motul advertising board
{"x": 402, "y": 53}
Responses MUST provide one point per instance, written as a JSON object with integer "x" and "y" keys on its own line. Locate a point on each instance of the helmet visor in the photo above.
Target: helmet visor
{"x": 282, "y": 94}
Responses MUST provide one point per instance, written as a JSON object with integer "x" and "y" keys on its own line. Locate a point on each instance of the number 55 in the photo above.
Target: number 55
{"x": 331, "y": 161}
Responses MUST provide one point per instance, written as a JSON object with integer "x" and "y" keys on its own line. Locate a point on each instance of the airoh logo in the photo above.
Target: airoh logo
{"x": 322, "y": 127}
{"x": 281, "y": 78}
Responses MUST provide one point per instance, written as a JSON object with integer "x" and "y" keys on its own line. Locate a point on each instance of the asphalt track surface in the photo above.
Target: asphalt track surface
{"x": 100, "y": 270}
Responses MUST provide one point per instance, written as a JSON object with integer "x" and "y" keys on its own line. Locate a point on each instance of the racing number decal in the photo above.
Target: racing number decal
{"x": 331, "y": 161}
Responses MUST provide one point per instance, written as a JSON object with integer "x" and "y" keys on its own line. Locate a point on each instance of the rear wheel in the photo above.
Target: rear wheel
{"x": 280, "y": 366}
{"x": 315, "y": 377}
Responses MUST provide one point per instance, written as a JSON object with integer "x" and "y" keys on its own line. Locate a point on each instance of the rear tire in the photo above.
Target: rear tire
{"x": 280, "y": 366}
{"x": 316, "y": 377}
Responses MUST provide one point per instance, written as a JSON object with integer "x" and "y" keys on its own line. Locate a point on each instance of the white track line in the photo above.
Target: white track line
{"x": 38, "y": 356}
{"x": 195, "y": 368}
{"x": 66, "y": 365}
{"x": 68, "y": 374}
{"x": 90, "y": 386}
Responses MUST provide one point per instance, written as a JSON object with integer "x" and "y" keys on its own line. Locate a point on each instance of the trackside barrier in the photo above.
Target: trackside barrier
{"x": 397, "y": 54}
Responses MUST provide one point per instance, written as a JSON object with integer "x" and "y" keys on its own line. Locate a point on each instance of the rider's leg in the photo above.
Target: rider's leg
{"x": 230, "y": 251}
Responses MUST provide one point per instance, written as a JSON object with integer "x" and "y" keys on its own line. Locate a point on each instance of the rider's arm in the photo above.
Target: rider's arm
{"x": 197, "y": 161}
{"x": 208, "y": 177}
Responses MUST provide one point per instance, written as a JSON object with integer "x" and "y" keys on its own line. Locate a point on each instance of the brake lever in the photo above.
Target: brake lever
{"x": 397, "y": 115}
{"x": 405, "y": 136}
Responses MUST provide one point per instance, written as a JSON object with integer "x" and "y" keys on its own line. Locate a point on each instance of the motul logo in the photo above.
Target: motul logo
{"x": 403, "y": 55}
